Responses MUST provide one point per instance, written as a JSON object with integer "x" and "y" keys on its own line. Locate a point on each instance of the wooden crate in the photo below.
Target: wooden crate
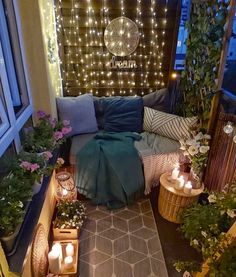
{"x": 73, "y": 271}
{"x": 61, "y": 234}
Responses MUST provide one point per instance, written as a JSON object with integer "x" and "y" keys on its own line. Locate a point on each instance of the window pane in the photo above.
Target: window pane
{"x": 182, "y": 35}
{"x": 229, "y": 82}
{"x": 5, "y": 161}
{"x": 19, "y": 94}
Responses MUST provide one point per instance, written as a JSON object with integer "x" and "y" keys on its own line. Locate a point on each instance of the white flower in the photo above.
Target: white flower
{"x": 206, "y": 136}
{"x": 193, "y": 150}
{"x": 212, "y": 198}
{"x": 186, "y": 274}
{"x": 204, "y": 234}
{"x": 231, "y": 213}
{"x": 204, "y": 149}
{"x": 199, "y": 136}
{"x": 186, "y": 153}
{"x": 195, "y": 242}
{"x": 182, "y": 147}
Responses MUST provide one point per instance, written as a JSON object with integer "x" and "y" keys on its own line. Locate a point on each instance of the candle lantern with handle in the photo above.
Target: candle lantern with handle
{"x": 65, "y": 187}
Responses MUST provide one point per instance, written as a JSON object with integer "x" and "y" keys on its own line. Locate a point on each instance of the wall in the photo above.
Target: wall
{"x": 85, "y": 58}
{"x": 44, "y": 77}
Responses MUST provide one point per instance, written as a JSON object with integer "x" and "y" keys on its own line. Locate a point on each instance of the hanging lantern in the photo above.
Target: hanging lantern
{"x": 65, "y": 187}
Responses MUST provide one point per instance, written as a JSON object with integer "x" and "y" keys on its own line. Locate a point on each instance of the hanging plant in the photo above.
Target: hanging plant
{"x": 204, "y": 44}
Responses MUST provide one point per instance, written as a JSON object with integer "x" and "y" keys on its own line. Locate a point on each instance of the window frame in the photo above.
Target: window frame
{"x": 10, "y": 82}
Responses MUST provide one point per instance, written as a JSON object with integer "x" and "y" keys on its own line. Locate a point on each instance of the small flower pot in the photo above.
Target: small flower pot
{"x": 60, "y": 234}
{"x": 8, "y": 242}
{"x": 37, "y": 186}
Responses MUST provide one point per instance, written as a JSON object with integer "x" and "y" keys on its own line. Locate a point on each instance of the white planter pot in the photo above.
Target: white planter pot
{"x": 37, "y": 186}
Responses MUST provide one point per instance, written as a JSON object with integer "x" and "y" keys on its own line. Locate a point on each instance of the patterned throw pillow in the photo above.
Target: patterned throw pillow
{"x": 168, "y": 125}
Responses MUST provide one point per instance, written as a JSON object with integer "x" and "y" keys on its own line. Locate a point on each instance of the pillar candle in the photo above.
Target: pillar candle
{"x": 175, "y": 173}
{"x": 57, "y": 248}
{"x": 54, "y": 262}
{"x": 68, "y": 262}
{"x": 69, "y": 249}
{"x": 179, "y": 183}
{"x": 188, "y": 188}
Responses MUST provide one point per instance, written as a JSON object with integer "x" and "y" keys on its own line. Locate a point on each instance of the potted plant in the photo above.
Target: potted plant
{"x": 46, "y": 135}
{"x": 206, "y": 226}
{"x": 15, "y": 194}
{"x": 69, "y": 219}
{"x": 196, "y": 149}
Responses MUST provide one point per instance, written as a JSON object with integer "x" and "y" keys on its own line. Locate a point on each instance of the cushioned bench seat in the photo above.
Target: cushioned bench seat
{"x": 158, "y": 154}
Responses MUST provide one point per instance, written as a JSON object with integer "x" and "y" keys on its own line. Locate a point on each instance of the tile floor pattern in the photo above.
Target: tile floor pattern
{"x": 121, "y": 243}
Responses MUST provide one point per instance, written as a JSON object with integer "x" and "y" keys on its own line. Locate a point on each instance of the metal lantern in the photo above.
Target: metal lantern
{"x": 65, "y": 187}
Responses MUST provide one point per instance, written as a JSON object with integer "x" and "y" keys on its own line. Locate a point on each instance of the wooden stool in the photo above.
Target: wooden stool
{"x": 171, "y": 202}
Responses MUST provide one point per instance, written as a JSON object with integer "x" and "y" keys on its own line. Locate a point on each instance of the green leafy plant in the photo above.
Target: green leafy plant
{"x": 46, "y": 135}
{"x": 70, "y": 215}
{"x": 205, "y": 225}
{"x": 14, "y": 194}
{"x": 204, "y": 44}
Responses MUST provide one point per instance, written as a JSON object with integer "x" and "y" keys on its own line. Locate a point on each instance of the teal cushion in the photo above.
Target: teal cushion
{"x": 123, "y": 114}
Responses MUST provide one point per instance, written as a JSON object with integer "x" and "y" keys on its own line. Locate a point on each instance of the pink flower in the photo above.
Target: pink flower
{"x": 25, "y": 165}
{"x": 47, "y": 155}
{"x": 34, "y": 167}
{"x": 66, "y": 130}
{"x": 52, "y": 121}
{"x": 41, "y": 114}
{"x": 58, "y": 135}
{"x": 66, "y": 122}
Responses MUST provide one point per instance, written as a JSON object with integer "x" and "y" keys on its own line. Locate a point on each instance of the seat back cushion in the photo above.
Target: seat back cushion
{"x": 168, "y": 125}
{"x": 158, "y": 100}
{"x": 123, "y": 114}
{"x": 80, "y": 111}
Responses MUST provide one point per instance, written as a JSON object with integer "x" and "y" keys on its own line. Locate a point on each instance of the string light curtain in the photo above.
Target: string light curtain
{"x": 85, "y": 58}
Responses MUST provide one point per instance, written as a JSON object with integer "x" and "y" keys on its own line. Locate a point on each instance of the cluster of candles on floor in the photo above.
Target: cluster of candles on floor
{"x": 180, "y": 184}
{"x": 55, "y": 257}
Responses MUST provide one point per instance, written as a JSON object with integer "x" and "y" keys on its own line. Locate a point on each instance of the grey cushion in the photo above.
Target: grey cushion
{"x": 168, "y": 125}
{"x": 80, "y": 112}
{"x": 78, "y": 143}
{"x": 158, "y": 100}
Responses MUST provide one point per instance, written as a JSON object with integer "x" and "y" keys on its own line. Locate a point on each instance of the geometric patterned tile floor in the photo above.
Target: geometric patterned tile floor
{"x": 121, "y": 243}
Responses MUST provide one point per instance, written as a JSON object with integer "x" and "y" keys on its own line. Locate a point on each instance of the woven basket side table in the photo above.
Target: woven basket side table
{"x": 171, "y": 202}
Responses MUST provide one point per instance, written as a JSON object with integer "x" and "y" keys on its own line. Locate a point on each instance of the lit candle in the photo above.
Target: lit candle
{"x": 54, "y": 262}
{"x": 180, "y": 183}
{"x": 58, "y": 249}
{"x": 64, "y": 192}
{"x": 175, "y": 173}
{"x": 188, "y": 187}
{"x": 69, "y": 249}
{"x": 68, "y": 262}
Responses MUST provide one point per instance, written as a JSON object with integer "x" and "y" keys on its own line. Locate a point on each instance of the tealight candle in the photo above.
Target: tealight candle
{"x": 57, "y": 248}
{"x": 175, "y": 173}
{"x": 68, "y": 262}
{"x": 188, "y": 187}
{"x": 69, "y": 249}
{"x": 180, "y": 183}
{"x": 54, "y": 262}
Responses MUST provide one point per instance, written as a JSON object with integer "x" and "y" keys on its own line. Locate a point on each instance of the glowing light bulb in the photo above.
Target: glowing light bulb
{"x": 228, "y": 129}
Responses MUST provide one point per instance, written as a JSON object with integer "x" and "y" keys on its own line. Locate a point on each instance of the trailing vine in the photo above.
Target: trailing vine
{"x": 204, "y": 44}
